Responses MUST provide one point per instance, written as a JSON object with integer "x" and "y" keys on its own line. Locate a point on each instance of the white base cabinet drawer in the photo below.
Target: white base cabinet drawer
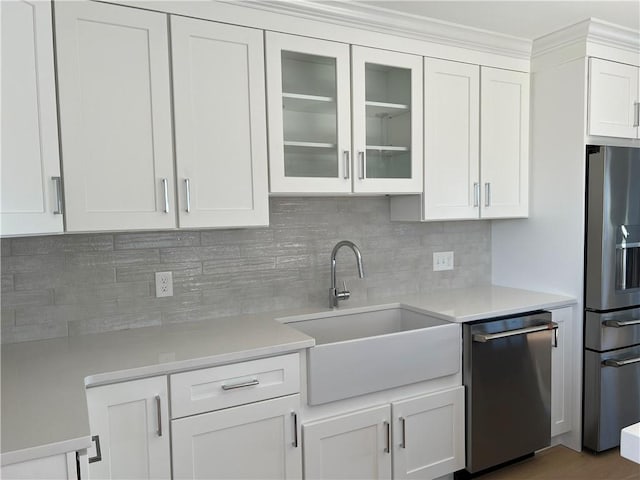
{"x": 226, "y": 386}
{"x": 260, "y": 440}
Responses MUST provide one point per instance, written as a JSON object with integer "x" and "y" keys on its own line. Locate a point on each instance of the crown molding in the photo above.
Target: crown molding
{"x": 380, "y": 20}
{"x": 590, "y": 31}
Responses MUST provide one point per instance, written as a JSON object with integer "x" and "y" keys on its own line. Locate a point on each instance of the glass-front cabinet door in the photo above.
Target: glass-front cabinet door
{"x": 309, "y": 117}
{"x": 387, "y": 121}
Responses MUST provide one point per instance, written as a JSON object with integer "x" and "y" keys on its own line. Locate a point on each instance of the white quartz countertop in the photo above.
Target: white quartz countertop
{"x": 44, "y": 410}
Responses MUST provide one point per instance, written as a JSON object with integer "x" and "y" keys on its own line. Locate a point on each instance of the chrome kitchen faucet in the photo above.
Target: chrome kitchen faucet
{"x": 334, "y": 294}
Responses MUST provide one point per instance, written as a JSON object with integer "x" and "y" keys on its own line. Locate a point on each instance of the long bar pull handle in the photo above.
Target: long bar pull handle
{"x": 98, "y": 457}
{"x": 387, "y": 426}
{"x": 159, "y": 411}
{"x": 476, "y": 194}
{"x": 620, "y": 363}
{"x": 187, "y": 189}
{"x": 59, "y": 207}
{"x": 361, "y": 174}
{"x": 620, "y": 323}
{"x": 404, "y": 432}
{"x": 636, "y": 114}
{"x": 555, "y": 337}
{"x": 347, "y": 165}
{"x": 294, "y": 444}
{"x": 487, "y": 337}
{"x": 165, "y": 188}
{"x": 233, "y": 386}
{"x": 487, "y": 194}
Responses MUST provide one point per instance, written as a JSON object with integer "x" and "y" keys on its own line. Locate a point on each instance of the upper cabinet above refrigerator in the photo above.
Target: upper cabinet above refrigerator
{"x": 341, "y": 128}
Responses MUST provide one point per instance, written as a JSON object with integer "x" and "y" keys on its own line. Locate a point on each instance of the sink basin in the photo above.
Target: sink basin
{"x": 363, "y": 352}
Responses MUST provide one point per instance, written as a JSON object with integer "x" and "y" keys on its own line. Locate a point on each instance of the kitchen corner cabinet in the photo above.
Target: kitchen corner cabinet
{"x": 220, "y": 124}
{"x": 415, "y": 438}
{"x": 561, "y": 372}
{"x": 614, "y": 96}
{"x": 476, "y": 145}
{"x": 30, "y": 192}
{"x": 129, "y": 423}
{"x": 115, "y": 117}
{"x": 316, "y": 146}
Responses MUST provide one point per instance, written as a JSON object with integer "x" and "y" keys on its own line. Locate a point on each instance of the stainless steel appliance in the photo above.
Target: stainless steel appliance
{"x": 611, "y": 396}
{"x": 507, "y": 375}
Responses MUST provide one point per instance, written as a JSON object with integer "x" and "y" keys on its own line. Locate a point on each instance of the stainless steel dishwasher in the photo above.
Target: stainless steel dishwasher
{"x": 507, "y": 378}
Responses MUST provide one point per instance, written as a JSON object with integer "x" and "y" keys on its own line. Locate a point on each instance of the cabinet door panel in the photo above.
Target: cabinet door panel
{"x": 115, "y": 115}
{"x": 309, "y": 115}
{"x": 349, "y": 446}
{"x": 248, "y": 442}
{"x": 387, "y": 124}
{"x": 452, "y": 148}
{"x": 613, "y": 92}
{"x": 561, "y": 358}
{"x": 429, "y": 435}
{"x": 504, "y": 143}
{"x": 220, "y": 122}
{"x": 30, "y": 155}
{"x": 134, "y": 435}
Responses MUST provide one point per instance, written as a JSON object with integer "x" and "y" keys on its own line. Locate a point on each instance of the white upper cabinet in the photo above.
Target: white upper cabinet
{"x": 220, "y": 124}
{"x": 309, "y": 115}
{"x": 614, "y": 93}
{"x": 387, "y": 121}
{"x": 504, "y": 143}
{"x": 115, "y": 117}
{"x": 30, "y": 195}
{"x": 452, "y": 145}
{"x": 310, "y": 94}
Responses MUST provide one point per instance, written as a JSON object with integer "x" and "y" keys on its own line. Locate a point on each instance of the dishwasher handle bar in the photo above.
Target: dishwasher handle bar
{"x": 487, "y": 337}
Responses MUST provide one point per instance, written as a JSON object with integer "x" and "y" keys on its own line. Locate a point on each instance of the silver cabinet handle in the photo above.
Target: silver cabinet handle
{"x": 347, "y": 166}
{"x": 233, "y": 386}
{"x": 165, "y": 188}
{"x": 58, "y": 183}
{"x": 98, "y": 457}
{"x": 476, "y": 194}
{"x": 294, "y": 444}
{"x": 620, "y": 323}
{"x": 620, "y": 363}
{"x": 387, "y": 426}
{"x": 487, "y": 194}
{"x": 404, "y": 432}
{"x": 487, "y": 337}
{"x": 187, "y": 188}
{"x": 362, "y": 160}
{"x": 636, "y": 114}
{"x": 159, "y": 411}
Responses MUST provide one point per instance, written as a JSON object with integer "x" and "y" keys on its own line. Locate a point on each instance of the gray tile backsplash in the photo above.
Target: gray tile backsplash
{"x": 63, "y": 285}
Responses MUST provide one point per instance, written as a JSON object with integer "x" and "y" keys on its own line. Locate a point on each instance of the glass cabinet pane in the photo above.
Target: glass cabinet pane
{"x": 309, "y": 115}
{"x": 388, "y": 121}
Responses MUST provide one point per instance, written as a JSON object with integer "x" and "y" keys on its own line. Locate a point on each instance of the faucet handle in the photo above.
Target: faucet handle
{"x": 344, "y": 286}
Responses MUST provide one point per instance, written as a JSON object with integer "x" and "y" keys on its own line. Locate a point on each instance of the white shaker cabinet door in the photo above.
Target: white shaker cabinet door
{"x": 256, "y": 441}
{"x": 428, "y": 439}
{"x": 30, "y": 167}
{"x": 613, "y": 99}
{"x": 115, "y": 117}
{"x": 452, "y": 143}
{"x": 504, "y": 143}
{"x": 130, "y": 420}
{"x": 561, "y": 372}
{"x": 355, "y": 446}
{"x": 220, "y": 122}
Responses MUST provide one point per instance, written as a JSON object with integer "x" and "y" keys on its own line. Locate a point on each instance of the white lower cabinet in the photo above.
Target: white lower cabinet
{"x": 130, "y": 426}
{"x": 424, "y": 435}
{"x": 258, "y": 440}
{"x": 55, "y": 467}
{"x": 561, "y": 372}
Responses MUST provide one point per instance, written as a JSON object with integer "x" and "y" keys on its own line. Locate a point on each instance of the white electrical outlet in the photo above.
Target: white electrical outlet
{"x": 164, "y": 284}
{"x": 442, "y": 261}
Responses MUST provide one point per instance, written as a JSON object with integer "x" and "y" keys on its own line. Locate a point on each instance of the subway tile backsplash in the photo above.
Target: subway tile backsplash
{"x": 65, "y": 285}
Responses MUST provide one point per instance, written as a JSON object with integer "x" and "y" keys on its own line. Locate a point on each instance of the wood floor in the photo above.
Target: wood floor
{"x": 561, "y": 463}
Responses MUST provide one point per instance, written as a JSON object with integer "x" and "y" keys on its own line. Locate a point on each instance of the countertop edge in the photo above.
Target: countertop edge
{"x": 47, "y": 450}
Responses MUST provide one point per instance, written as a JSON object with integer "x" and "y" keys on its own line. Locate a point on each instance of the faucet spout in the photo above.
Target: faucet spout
{"x": 334, "y": 294}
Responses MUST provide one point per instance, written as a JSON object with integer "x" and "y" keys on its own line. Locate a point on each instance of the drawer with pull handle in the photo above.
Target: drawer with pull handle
{"x": 226, "y": 386}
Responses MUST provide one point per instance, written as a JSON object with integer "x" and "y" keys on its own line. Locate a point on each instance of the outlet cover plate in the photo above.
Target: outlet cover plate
{"x": 442, "y": 261}
{"x": 164, "y": 284}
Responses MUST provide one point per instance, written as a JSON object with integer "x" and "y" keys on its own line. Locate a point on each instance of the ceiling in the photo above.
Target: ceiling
{"x": 524, "y": 19}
